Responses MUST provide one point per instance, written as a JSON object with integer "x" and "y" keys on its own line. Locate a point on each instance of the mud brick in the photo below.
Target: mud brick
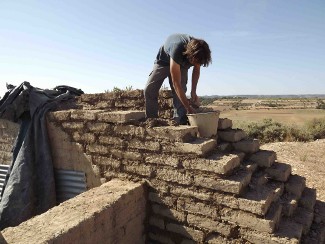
{"x": 199, "y": 147}
{"x": 5, "y": 157}
{"x": 146, "y": 145}
{"x": 84, "y": 114}
{"x": 168, "y": 213}
{"x": 121, "y": 116}
{"x": 115, "y": 142}
{"x": 247, "y": 146}
{"x": 245, "y": 219}
{"x": 107, "y": 104}
{"x": 99, "y": 149}
{"x": 250, "y": 166}
{"x": 88, "y": 97}
{"x": 84, "y": 137}
{"x": 165, "y": 105}
{"x": 59, "y": 115}
{"x": 263, "y": 158}
{"x": 129, "y": 103}
{"x": 111, "y": 162}
{"x": 290, "y": 229}
{"x": 295, "y": 185}
{"x": 137, "y": 93}
{"x": 289, "y": 203}
{"x": 166, "y": 93}
{"x": 158, "y": 186}
{"x": 224, "y": 147}
{"x": 259, "y": 200}
{"x": 98, "y": 127}
{"x": 181, "y": 133}
{"x": 231, "y": 135}
{"x": 232, "y": 184}
{"x": 241, "y": 155}
{"x": 6, "y": 147}
{"x": 185, "y": 231}
{"x": 133, "y": 156}
{"x": 217, "y": 163}
{"x": 316, "y": 234}
{"x": 162, "y": 199}
{"x": 209, "y": 224}
{"x": 319, "y": 211}
{"x": 284, "y": 236}
{"x": 190, "y": 192}
{"x": 224, "y": 123}
{"x": 279, "y": 171}
{"x": 162, "y": 160}
{"x": 174, "y": 175}
{"x": 129, "y": 130}
{"x": 191, "y": 206}
{"x": 73, "y": 125}
{"x": 156, "y": 221}
{"x": 308, "y": 198}
{"x": 137, "y": 168}
{"x": 259, "y": 178}
{"x": 304, "y": 217}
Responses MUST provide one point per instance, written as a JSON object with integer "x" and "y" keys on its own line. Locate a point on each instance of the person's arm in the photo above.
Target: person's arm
{"x": 175, "y": 71}
{"x": 195, "y": 80}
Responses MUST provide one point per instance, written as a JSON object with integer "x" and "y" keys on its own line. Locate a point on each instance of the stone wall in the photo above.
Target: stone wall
{"x": 111, "y": 213}
{"x": 8, "y": 134}
{"x": 200, "y": 190}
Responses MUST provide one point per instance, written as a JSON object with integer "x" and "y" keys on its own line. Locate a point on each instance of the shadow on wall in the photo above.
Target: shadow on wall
{"x": 70, "y": 155}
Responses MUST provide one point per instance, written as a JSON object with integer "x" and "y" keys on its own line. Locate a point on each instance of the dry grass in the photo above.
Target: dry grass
{"x": 286, "y": 116}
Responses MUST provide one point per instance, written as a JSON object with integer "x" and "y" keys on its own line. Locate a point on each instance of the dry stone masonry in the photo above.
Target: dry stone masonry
{"x": 200, "y": 190}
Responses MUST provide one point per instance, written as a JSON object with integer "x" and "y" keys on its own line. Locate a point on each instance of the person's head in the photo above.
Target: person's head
{"x": 198, "y": 52}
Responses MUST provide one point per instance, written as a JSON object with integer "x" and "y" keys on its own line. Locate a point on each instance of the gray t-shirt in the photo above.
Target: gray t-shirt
{"x": 174, "y": 47}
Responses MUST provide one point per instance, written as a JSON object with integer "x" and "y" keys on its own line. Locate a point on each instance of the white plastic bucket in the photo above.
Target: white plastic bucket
{"x": 207, "y": 123}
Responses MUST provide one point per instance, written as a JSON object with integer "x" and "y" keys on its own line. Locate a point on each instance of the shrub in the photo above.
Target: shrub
{"x": 320, "y": 104}
{"x": 316, "y": 128}
{"x": 270, "y": 131}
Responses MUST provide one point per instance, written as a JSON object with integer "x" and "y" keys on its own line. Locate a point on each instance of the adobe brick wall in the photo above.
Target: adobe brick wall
{"x": 201, "y": 190}
{"x": 111, "y": 213}
{"x": 217, "y": 190}
{"x": 125, "y": 100}
{"x": 8, "y": 134}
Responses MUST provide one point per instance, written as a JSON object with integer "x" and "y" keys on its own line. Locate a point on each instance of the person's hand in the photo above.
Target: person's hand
{"x": 190, "y": 110}
{"x": 195, "y": 99}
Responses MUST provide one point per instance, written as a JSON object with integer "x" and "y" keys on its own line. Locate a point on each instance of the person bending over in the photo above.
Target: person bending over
{"x": 175, "y": 57}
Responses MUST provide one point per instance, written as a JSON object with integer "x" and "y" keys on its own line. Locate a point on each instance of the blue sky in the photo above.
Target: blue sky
{"x": 258, "y": 46}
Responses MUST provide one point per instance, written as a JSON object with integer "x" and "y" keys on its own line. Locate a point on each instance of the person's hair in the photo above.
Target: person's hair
{"x": 198, "y": 51}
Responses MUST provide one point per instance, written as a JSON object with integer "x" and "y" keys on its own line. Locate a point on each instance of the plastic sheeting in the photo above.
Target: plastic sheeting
{"x": 30, "y": 188}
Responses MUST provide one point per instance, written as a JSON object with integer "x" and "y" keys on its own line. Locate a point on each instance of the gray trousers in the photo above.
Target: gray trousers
{"x": 151, "y": 92}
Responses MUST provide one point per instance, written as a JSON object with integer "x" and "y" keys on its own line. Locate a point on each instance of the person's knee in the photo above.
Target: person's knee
{"x": 149, "y": 93}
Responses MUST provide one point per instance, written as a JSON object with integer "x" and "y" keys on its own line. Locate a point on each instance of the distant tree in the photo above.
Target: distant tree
{"x": 237, "y": 104}
{"x": 320, "y": 104}
{"x": 206, "y": 100}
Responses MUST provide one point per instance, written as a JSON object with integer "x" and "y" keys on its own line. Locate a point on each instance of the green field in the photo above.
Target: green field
{"x": 286, "y": 116}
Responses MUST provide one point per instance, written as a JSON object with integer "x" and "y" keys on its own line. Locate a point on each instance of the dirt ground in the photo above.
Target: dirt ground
{"x": 306, "y": 158}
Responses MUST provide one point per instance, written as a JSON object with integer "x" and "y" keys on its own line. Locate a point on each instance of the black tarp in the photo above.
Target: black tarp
{"x": 30, "y": 188}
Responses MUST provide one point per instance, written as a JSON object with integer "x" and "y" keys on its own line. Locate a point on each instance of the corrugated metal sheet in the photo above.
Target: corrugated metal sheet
{"x": 3, "y": 173}
{"x": 69, "y": 184}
